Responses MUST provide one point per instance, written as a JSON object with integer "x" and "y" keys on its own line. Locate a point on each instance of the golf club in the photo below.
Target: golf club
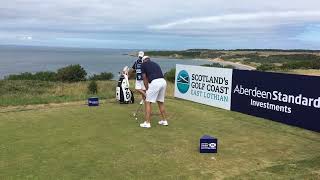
{"x": 135, "y": 114}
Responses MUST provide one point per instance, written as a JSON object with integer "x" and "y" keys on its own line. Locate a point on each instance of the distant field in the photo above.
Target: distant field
{"x": 312, "y": 72}
{"x": 78, "y": 142}
{"x": 268, "y": 53}
{"x": 293, "y": 61}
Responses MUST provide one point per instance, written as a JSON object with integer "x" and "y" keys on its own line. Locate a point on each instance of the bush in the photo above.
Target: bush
{"x": 45, "y": 76}
{"x": 218, "y": 65}
{"x": 39, "y": 76}
{"x": 314, "y": 64}
{"x": 72, "y": 73}
{"x": 93, "y": 87}
{"x": 213, "y": 65}
{"x": 175, "y": 54}
{"x": 266, "y": 67}
{"x": 22, "y": 76}
{"x": 229, "y": 66}
{"x": 102, "y": 76}
{"x": 170, "y": 75}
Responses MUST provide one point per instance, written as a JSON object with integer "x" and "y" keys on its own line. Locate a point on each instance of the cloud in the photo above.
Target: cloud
{"x": 24, "y": 37}
{"x": 242, "y": 20}
{"x": 192, "y": 21}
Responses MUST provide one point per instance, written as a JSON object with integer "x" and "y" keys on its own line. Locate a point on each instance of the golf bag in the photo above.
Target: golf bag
{"x": 123, "y": 94}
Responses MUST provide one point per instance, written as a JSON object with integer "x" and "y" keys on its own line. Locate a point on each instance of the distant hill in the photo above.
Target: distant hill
{"x": 279, "y": 60}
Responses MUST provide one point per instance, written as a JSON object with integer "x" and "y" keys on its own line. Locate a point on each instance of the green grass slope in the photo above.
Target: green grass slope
{"x": 78, "y": 142}
{"x": 13, "y": 93}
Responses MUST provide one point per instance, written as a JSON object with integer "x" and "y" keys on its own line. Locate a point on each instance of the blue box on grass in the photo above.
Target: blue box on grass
{"x": 208, "y": 144}
{"x": 93, "y": 101}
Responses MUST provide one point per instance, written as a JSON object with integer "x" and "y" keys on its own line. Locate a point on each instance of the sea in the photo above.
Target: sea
{"x": 19, "y": 59}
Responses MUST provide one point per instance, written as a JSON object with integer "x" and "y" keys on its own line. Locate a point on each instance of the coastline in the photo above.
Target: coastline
{"x": 215, "y": 60}
{"x": 237, "y": 65}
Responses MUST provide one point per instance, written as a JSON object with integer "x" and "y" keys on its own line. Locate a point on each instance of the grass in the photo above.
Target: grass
{"x": 78, "y": 142}
{"x": 14, "y": 93}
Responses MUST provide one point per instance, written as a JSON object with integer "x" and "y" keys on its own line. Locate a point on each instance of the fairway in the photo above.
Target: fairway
{"x": 78, "y": 142}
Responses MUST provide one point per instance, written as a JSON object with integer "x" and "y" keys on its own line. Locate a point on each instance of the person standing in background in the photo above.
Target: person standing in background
{"x": 139, "y": 85}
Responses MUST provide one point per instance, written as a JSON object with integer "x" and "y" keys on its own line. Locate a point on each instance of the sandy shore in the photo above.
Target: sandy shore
{"x": 237, "y": 65}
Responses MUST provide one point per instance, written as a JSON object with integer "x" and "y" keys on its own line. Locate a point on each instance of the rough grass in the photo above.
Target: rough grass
{"x": 78, "y": 142}
{"x": 312, "y": 72}
{"x": 13, "y": 93}
{"x": 41, "y": 92}
{"x": 309, "y": 72}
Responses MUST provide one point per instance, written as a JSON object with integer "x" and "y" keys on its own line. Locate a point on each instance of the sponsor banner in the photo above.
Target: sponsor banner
{"x": 286, "y": 98}
{"x": 206, "y": 85}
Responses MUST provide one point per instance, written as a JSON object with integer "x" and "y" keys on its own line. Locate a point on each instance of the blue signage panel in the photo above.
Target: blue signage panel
{"x": 93, "y": 101}
{"x": 285, "y": 98}
{"x": 208, "y": 144}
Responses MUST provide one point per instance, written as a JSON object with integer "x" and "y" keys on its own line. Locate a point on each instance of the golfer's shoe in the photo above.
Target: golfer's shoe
{"x": 141, "y": 102}
{"x": 163, "y": 122}
{"x": 145, "y": 125}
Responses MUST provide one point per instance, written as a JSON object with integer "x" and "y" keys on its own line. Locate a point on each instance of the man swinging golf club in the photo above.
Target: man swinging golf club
{"x": 156, "y": 88}
{"x": 140, "y": 88}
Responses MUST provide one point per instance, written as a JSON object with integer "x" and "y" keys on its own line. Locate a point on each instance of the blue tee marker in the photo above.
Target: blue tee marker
{"x": 208, "y": 144}
{"x": 93, "y": 101}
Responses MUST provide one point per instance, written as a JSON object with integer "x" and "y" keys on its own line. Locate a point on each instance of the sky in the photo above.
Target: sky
{"x": 164, "y": 24}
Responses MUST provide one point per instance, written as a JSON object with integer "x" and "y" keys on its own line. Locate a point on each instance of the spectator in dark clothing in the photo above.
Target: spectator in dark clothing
{"x": 139, "y": 85}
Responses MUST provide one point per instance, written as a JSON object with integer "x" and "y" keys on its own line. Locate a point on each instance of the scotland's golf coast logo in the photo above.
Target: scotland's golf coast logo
{"x": 183, "y": 81}
{"x": 204, "y": 85}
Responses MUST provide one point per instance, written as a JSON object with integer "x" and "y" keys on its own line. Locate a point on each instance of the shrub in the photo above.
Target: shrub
{"x": 229, "y": 66}
{"x": 218, "y": 65}
{"x": 213, "y": 65}
{"x": 22, "y": 76}
{"x": 71, "y": 73}
{"x": 45, "y": 76}
{"x": 102, "y": 76}
{"x": 311, "y": 64}
{"x": 175, "y": 54}
{"x": 93, "y": 87}
{"x": 266, "y": 67}
{"x": 170, "y": 75}
{"x": 39, "y": 76}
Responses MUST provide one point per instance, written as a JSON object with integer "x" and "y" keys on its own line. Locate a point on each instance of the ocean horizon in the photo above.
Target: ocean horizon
{"x": 18, "y": 59}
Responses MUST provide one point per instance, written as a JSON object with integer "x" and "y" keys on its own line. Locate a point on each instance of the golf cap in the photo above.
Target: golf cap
{"x": 141, "y": 54}
{"x": 145, "y": 58}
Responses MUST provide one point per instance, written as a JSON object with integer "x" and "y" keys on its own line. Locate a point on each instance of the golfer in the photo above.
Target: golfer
{"x": 140, "y": 88}
{"x": 156, "y": 89}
